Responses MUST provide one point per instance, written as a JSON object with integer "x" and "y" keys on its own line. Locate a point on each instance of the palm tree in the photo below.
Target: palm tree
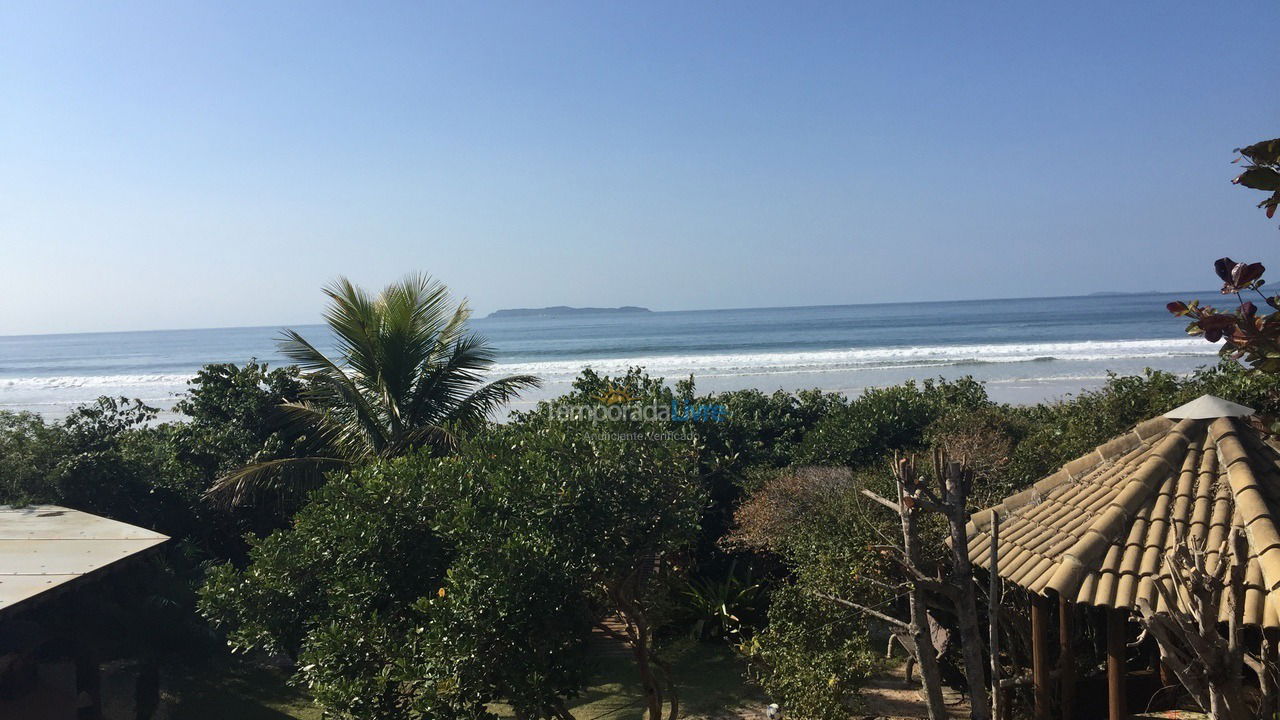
{"x": 409, "y": 375}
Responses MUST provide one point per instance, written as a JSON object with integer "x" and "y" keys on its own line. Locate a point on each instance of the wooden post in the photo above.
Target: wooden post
{"x": 1066, "y": 658}
{"x": 1117, "y": 652}
{"x": 1040, "y": 655}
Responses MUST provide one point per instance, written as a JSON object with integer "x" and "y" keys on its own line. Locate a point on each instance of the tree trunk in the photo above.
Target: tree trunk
{"x": 673, "y": 711}
{"x": 1266, "y": 675}
{"x": 926, "y": 653}
{"x": 962, "y": 584}
{"x": 640, "y": 638}
{"x": 652, "y": 693}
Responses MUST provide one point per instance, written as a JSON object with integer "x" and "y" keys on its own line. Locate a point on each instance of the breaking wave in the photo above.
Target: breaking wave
{"x": 1052, "y": 361}
{"x": 884, "y": 358}
{"x": 68, "y": 382}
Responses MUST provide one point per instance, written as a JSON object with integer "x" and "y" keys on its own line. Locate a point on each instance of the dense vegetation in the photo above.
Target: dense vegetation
{"x": 811, "y": 653}
{"x": 438, "y": 584}
{"x": 435, "y": 564}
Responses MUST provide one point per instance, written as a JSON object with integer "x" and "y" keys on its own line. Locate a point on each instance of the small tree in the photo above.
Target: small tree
{"x": 950, "y": 500}
{"x": 636, "y": 529}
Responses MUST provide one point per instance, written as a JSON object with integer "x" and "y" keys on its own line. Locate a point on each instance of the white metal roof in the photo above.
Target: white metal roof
{"x": 43, "y": 547}
{"x": 1208, "y": 407}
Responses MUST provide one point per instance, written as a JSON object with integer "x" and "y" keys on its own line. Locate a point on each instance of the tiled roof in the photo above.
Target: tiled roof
{"x": 1098, "y": 531}
{"x": 45, "y": 547}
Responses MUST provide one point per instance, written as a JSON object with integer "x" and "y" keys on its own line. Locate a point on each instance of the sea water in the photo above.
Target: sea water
{"x": 1026, "y": 350}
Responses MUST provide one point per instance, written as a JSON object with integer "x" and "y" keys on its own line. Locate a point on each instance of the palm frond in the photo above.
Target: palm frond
{"x": 411, "y": 314}
{"x": 437, "y": 437}
{"x": 241, "y": 485}
{"x": 407, "y": 375}
{"x": 352, "y": 316}
{"x": 477, "y": 407}
{"x": 329, "y": 431}
{"x": 332, "y": 387}
{"x": 446, "y": 384}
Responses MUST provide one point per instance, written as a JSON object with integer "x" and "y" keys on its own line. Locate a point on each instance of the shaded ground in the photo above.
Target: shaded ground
{"x": 709, "y": 680}
{"x": 711, "y": 686}
{"x": 234, "y": 688}
{"x": 888, "y": 695}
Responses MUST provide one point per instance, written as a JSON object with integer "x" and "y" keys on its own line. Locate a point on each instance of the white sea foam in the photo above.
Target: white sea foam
{"x": 1045, "y": 362}
{"x": 885, "y": 358}
{"x": 66, "y": 382}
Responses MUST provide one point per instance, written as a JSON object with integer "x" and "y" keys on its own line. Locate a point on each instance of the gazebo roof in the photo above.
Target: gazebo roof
{"x": 1099, "y": 530}
{"x": 44, "y": 548}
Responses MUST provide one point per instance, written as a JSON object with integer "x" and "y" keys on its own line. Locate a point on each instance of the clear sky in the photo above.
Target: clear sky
{"x": 182, "y": 164}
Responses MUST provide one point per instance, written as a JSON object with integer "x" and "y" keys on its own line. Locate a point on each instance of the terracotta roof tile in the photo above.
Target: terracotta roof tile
{"x": 1099, "y": 530}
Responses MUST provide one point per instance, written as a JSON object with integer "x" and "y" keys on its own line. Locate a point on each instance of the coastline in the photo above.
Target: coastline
{"x": 163, "y": 391}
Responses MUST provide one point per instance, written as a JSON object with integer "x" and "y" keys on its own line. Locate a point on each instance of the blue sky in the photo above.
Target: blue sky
{"x": 180, "y": 164}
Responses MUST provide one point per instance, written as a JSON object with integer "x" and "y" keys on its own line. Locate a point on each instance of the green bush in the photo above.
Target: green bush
{"x": 429, "y": 587}
{"x": 883, "y": 420}
{"x": 812, "y": 656}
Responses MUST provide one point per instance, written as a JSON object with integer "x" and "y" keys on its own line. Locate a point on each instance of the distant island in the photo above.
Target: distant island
{"x": 561, "y": 310}
{"x": 1121, "y": 293}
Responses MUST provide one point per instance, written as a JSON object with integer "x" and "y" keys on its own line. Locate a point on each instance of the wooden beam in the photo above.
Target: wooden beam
{"x": 1040, "y": 656}
{"x": 1066, "y": 658}
{"x": 1117, "y": 653}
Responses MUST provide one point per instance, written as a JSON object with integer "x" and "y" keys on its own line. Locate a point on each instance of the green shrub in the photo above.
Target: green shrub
{"x": 883, "y": 420}
{"x": 430, "y": 587}
{"x": 812, "y": 656}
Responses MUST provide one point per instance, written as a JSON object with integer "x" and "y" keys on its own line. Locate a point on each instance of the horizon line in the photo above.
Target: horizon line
{"x": 1097, "y": 294}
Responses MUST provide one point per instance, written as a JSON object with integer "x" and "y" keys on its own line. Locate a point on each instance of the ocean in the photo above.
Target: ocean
{"x": 1025, "y": 350}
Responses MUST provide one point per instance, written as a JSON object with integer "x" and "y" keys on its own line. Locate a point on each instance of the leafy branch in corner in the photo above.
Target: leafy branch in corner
{"x": 1246, "y": 335}
{"x": 1262, "y": 171}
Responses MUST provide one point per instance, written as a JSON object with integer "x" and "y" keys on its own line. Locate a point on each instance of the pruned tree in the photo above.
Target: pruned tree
{"x": 957, "y": 586}
{"x": 922, "y": 646}
{"x": 1207, "y": 660}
